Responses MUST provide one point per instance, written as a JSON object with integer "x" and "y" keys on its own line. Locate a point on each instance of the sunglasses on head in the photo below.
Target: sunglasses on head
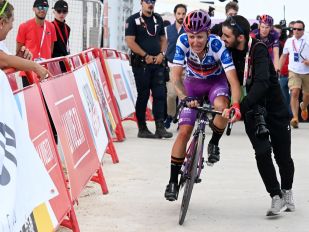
{"x": 233, "y": 23}
{"x": 3, "y": 8}
{"x": 150, "y": 1}
{"x": 298, "y": 29}
{"x": 62, "y": 11}
{"x": 45, "y": 8}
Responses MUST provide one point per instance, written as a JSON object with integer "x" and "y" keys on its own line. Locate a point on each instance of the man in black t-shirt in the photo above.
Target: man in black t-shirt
{"x": 61, "y": 46}
{"x": 145, "y": 37}
{"x": 263, "y": 92}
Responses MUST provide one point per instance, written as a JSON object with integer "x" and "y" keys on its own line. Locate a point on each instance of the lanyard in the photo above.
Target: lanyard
{"x": 247, "y": 60}
{"x": 61, "y": 36}
{"x": 294, "y": 45}
{"x": 42, "y": 40}
{"x": 143, "y": 23}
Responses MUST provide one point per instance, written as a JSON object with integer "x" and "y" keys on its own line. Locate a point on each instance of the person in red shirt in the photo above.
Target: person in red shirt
{"x": 37, "y": 34}
{"x": 22, "y": 59}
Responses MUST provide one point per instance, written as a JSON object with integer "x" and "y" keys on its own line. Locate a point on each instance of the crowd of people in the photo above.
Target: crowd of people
{"x": 257, "y": 70}
{"x": 37, "y": 38}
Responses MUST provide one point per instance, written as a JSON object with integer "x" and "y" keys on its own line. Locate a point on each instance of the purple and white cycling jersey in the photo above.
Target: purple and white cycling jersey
{"x": 217, "y": 60}
{"x": 204, "y": 77}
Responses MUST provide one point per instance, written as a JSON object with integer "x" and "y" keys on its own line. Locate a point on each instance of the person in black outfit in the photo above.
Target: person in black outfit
{"x": 145, "y": 37}
{"x": 61, "y": 46}
{"x": 263, "y": 92}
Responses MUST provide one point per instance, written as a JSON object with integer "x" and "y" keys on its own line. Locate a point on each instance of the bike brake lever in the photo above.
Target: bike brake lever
{"x": 230, "y": 124}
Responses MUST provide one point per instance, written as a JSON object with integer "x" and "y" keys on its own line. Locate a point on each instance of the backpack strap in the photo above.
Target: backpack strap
{"x": 252, "y": 50}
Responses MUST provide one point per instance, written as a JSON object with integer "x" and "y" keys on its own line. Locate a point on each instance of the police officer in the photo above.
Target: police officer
{"x": 145, "y": 37}
{"x": 253, "y": 63}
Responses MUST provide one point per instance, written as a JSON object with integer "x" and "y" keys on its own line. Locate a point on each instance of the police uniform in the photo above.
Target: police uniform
{"x": 148, "y": 32}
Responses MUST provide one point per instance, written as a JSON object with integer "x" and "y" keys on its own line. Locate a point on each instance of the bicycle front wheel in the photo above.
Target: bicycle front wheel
{"x": 189, "y": 182}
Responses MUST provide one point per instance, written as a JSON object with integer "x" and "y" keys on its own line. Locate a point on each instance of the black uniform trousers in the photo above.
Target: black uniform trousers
{"x": 280, "y": 143}
{"x": 150, "y": 77}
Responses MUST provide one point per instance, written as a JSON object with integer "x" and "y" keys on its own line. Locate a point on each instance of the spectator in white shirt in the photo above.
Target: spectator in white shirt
{"x": 297, "y": 48}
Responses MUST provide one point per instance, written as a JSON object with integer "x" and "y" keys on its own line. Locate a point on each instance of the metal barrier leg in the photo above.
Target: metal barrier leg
{"x": 112, "y": 152}
{"x": 100, "y": 179}
{"x": 71, "y": 223}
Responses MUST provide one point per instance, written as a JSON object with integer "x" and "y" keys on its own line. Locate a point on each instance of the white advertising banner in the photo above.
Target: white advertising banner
{"x": 100, "y": 90}
{"x": 120, "y": 89}
{"x": 129, "y": 79}
{"x": 92, "y": 109}
{"x": 24, "y": 181}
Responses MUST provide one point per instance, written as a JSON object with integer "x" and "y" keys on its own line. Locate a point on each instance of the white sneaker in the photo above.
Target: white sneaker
{"x": 287, "y": 195}
{"x": 277, "y": 206}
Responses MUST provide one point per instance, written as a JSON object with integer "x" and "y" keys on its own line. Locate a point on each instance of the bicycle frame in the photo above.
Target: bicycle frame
{"x": 193, "y": 164}
{"x": 203, "y": 119}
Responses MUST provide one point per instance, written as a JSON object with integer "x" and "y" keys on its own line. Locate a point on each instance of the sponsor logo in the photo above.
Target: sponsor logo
{"x": 216, "y": 45}
{"x": 184, "y": 40}
{"x": 8, "y": 149}
{"x": 226, "y": 57}
{"x": 210, "y": 60}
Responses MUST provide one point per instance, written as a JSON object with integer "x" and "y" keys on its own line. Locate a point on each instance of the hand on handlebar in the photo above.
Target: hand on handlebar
{"x": 190, "y": 102}
{"x": 235, "y": 108}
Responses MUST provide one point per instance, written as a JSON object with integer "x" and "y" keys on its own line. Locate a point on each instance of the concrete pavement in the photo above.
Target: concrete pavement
{"x": 231, "y": 196}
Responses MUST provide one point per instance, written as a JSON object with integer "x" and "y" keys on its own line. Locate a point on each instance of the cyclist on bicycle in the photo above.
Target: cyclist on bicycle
{"x": 267, "y": 34}
{"x": 209, "y": 69}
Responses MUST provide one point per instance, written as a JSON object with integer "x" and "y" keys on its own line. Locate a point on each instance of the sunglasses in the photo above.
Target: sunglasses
{"x": 298, "y": 29}
{"x": 45, "y": 8}
{"x": 233, "y": 23}
{"x": 150, "y": 1}
{"x": 62, "y": 11}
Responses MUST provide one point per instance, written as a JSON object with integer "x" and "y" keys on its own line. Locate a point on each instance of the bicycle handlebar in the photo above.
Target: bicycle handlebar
{"x": 205, "y": 108}
{"x": 208, "y": 109}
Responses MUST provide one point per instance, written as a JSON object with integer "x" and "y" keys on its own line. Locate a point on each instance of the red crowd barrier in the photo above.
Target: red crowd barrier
{"x": 99, "y": 53}
{"x": 62, "y": 97}
{"x": 41, "y": 135}
{"x": 54, "y": 65}
{"x": 11, "y": 74}
{"x": 84, "y": 57}
{"x": 59, "y": 95}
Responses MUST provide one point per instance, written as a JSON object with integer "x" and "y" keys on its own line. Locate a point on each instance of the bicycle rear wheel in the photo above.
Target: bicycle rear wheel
{"x": 189, "y": 181}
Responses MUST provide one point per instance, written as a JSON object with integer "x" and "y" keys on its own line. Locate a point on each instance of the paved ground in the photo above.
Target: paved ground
{"x": 230, "y": 198}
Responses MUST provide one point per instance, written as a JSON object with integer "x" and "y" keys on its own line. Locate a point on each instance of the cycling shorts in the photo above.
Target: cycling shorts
{"x": 200, "y": 88}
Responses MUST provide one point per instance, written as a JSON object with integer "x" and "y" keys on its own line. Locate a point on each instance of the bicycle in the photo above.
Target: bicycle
{"x": 194, "y": 161}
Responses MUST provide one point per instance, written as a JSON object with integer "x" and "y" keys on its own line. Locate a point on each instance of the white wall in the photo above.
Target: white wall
{"x": 113, "y": 12}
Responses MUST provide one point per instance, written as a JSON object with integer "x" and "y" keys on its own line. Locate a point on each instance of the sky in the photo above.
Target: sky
{"x": 294, "y": 9}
